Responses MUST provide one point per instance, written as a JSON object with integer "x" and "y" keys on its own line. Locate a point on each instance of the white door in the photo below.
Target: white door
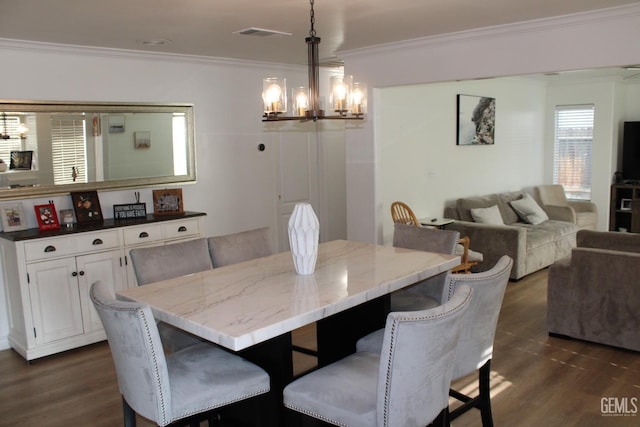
{"x": 298, "y": 177}
{"x": 104, "y": 266}
{"x": 55, "y": 303}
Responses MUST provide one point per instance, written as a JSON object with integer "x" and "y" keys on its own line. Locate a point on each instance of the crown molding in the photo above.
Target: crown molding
{"x": 538, "y": 25}
{"x": 102, "y": 52}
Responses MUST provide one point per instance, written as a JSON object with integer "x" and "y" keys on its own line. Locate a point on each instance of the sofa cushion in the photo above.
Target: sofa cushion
{"x": 528, "y": 210}
{"x": 508, "y": 214}
{"x": 490, "y": 215}
{"x": 465, "y": 205}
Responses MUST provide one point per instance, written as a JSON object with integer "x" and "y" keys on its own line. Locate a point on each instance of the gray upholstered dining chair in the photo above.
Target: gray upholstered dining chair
{"x": 163, "y": 262}
{"x": 238, "y": 247}
{"x": 428, "y": 293}
{"x": 179, "y": 386}
{"x": 406, "y": 383}
{"x": 475, "y": 347}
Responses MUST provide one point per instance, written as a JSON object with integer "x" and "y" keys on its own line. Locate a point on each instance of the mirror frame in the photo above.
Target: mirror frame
{"x": 102, "y": 107}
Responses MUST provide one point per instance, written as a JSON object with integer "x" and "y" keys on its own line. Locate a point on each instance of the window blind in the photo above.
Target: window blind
{"x": 68, "y": 149}
{"x": 573, "y": 149}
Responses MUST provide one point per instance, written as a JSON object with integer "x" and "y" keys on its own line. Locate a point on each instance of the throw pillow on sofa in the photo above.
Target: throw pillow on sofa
{"x": 490, "y": 215}
{"x": 529, "y": 210}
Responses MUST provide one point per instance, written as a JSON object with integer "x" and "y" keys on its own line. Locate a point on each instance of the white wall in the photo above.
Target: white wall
{"x": 420, "y": 163}
{"x": 604, "y": 38}
{"x": 237, "y": 184}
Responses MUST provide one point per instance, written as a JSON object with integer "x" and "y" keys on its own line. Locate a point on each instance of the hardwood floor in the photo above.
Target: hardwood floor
{"x": 536, "y": 380}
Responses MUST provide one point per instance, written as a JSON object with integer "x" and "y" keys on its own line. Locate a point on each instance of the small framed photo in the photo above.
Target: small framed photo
{"x": 13, "y": 218}
{"x": 625, "y": 204}
{"x": 21, "y": 160}
{"x": 86, "y": 206}
{"x": 142, "y": 139}
{"x": 47, "y": 217}
{"x": 167, "y": 201}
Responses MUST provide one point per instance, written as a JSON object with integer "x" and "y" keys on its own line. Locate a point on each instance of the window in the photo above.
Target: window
{"x": 68, "y": 149}
{"x": 572, "y": 150}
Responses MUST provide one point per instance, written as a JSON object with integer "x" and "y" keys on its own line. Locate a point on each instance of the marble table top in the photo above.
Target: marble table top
{"x": 243, "y": 304}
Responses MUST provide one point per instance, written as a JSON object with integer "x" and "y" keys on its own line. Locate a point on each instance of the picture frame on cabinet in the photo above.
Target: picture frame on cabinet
{"x": 21, "y": 160}
{"x": 168, "y": 201}
{"x": 47, "y": 217}
{"x": 13, "y": 219}
{"x": 86, "y": 206}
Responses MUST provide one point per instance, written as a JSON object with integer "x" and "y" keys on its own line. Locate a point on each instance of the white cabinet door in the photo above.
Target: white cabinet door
{"x": 104, "y": 266}
{"x": 55, "y": 301}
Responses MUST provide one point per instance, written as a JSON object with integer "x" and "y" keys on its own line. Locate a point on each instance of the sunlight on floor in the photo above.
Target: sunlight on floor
{"x": 470, "y": 387}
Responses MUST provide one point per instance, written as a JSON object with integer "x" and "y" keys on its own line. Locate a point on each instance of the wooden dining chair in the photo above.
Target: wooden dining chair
{"x": 401, "y": 213}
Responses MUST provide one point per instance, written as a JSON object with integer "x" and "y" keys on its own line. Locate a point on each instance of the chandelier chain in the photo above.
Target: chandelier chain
{"x": 312, "y": 31}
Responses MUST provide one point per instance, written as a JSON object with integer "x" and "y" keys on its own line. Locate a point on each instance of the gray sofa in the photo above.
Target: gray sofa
{"x": 531, "y": 246}
{"x": 594, "y": 294}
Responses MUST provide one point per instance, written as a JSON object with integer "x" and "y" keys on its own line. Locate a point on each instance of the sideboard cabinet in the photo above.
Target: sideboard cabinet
{"x": 47, "y": 277}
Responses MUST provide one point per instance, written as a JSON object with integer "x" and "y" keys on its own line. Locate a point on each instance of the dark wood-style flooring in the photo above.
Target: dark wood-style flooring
{"x": 537, "y": 380}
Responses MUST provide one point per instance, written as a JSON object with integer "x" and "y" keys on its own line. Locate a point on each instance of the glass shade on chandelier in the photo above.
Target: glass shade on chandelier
{"x": 274, "y": 95}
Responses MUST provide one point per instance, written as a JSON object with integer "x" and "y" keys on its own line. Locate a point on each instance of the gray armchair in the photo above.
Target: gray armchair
{"x": 554, "y": 202}
{"x": 179, "y": 386}
{"x": 594, "y": 294}
{"x": 475, "y": 346}
{"x": 405, "y": 384}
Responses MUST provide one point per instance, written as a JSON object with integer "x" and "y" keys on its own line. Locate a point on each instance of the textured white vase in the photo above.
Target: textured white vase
{"x": 304, "y": 233}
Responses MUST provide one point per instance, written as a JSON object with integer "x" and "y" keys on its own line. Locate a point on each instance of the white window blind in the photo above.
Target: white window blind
{"x": 573, "y": 150}
{"x": 14, "y": 143}
{"x": 68, "y": 149}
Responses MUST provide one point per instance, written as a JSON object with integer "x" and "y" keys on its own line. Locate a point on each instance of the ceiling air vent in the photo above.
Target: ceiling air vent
{"x": 260, "y": 32}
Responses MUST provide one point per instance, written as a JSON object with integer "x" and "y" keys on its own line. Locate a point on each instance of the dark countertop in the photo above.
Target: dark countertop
{"x": 35, "y": 233}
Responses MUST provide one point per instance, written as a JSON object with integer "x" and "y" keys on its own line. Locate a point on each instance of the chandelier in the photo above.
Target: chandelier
{"x": 348, "y": 99}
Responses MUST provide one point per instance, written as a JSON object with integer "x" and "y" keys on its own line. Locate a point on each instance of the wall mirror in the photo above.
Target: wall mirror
{"x": 52, "y": 148}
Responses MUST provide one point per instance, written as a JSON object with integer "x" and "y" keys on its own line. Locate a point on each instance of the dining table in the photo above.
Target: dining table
{"x": 252, "y": 307}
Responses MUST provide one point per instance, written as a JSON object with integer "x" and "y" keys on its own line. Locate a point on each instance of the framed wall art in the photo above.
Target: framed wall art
{"x": 21, "y": 160}
{"x": 142, "y": 139}
{"x": 13, "y": 219}
{"x": 476, "y": 120}
{"x": 47, "y": 217}
{"x": 86, "y": 206}
{"x": 167, "y": 201}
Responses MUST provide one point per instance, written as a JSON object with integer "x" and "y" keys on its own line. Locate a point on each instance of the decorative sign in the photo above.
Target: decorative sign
{"x": 129, "y": 211}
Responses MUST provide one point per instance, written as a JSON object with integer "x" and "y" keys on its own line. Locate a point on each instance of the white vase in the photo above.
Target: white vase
{"x": 304, "y": 233}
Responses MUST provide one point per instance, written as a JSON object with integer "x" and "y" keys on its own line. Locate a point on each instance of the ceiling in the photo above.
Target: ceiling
{"x": 206, "y": 27}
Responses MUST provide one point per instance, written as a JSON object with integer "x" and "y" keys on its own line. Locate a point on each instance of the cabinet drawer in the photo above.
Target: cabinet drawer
{"x": 142, "y": 234}
{"x": 49, "y": 248}
{"x": 183, "y": 228}
{"x": 98, "y": 241}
